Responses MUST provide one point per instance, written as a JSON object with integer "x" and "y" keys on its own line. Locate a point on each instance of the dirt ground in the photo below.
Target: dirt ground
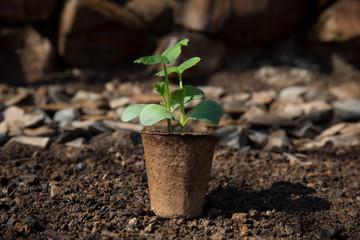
{"x": 100, "y": 191}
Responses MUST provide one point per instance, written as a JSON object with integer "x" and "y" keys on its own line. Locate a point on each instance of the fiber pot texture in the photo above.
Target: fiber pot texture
{"x": 178, "y": 168}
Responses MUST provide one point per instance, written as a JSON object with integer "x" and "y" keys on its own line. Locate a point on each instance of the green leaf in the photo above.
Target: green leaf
{"x": 148, "y": 60}
{"x": 153, "y": 113}
{"x": 173, "y": 105}
{"x": 132, "y": 112}
{"x": 207, "y": 111}
{"x": 187, "y": 94}
{"x": 160, "y": 87}
{"x": 174, "y": 52}
{"x": 169, "y": 70}
{"x": 188, "y": 64}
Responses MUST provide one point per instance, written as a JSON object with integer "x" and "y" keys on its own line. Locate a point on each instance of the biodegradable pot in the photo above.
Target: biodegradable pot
{"x": 178, "y": 169}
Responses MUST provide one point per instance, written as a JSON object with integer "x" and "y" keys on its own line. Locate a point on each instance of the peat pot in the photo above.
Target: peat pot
{"x": 178, "y": 169}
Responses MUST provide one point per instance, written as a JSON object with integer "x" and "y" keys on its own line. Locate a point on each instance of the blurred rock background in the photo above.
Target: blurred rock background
{"x": 55, "y": 40}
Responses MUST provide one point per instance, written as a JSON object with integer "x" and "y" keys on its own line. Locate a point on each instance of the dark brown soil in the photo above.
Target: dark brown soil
{"x": 99, "y": 191}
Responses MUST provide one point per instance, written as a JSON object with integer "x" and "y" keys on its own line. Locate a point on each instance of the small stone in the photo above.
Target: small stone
{"x": 241, "y": 217}
{"x": 18, "y": 98}
{"x": 278, "y": 139}
{"x": 351, "y": 129}
{"x": 212, "y": 92}
{"x": 350, "y": 90}
{"x": 80, "y": 166}
{"x": 333, "y": 130}
{"x": 264, "y": 97}
{"x": 149, "y": 228}
{"x": 339, "y": 192}
{"x": 293, "y": 92}
{"x": 232, "y": 136}
{"x": 115, "y": 125}
{"x": 332, "y": 232}
{"x": 146, "y": 99}
{"x": 85, "y": 95}
{"x": 258, "y": 138}
{"x": 29, "y": 179}
{"x": 55, "y": 191}
{"x": 252, "y": 112}
{"x": 267, "y": 120}
{"x": 13, "y": 113}
{"x": 78, "y": 142}
{"x": 119, "y": 102}
{"x": 66, "y": 116}
{"x": 289, "y": 109}
{"x": 217, "y": 236}
{"x": 305, "y": 130}
{"x": 41, "y": 142}
{"x": 33, "y": 119}
{"x": 348, "y": 109}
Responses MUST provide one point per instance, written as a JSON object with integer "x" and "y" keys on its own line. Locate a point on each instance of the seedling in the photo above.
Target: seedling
{"x": 207, "y": 111}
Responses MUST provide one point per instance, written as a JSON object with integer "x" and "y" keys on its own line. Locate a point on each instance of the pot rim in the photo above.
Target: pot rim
{"x": 176, "y": 133}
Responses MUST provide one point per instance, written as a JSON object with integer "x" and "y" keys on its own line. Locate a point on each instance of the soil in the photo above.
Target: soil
{"x": 99, "y": 191}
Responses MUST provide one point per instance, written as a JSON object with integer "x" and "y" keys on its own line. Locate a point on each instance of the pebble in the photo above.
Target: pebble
{"x": 41, "y": 142}
{"x": 348, "y": 109}
{"x": 232, "y": 136}
{"x": 258, "y": 138}
{"x": 80, "y": 166}
{"x": 78, "y": 142}
{"x": 293, "y": 92}
{"x": 13, "y": 113}
{"x": 66, "y": 116}
{"x": 332, "y": 232}
{"x": 119, "y": 102}
{"x": 278, "y": 139}
{"x": 33, "y": 119}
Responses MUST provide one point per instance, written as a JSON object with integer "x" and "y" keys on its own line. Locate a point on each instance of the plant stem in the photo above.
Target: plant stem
{"x": 167, "y": 89}
{"x": 182, "y": 112}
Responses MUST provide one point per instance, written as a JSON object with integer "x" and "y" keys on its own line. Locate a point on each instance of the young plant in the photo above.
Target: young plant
{"x": 207, "y": 111}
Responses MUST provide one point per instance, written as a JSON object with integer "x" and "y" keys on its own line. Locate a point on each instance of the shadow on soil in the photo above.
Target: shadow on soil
{"x": 282, "y": 196}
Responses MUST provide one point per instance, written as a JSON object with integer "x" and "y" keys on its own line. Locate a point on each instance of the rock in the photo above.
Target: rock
{"x": 27, "y": 55}
{"x": 146, "y": 99}
{"x": 157, "y": 14}
{"x": 344, "y": 91}
{"x": 340, "y": 22}
{"x": 212, "y": 92}
{"x": 264, "y": 97}
{"x": 78, "y": 142}
{"x": 55, "y": 190}
{"x": 26, "y": 11}
{"x": 289, "y": 109}
{"x": 235, "y": 21}
{"x": 336, "y": 141}
{"x": 351, "y": 129}
{"x": 66, "y": 116}
{"x": 119, "y": 102}
{"x": 348, "y": 109}
{"x": 317, "y": 111}
{"x": 86, "y": 95}
{"x": 233, "y": 106}
{"x": 115, "y": 125}
{"x": 252, "y": 112}
{"x": 232, "y": 136}
{"x": 13, "y": 113}
{"x": 332, "y": 232}
{"x": 211, "y": 51}
{"x": 240, "y": 217}
{"x": 18, "y": 98}
{"x": 33, "y": 119}
{"x": 29, "y": 179}
{"x": 306, "y": 130}
{"x": 281, "y": 78}
{"x": 40, "y": 131}
{"x": 267, "y": 120}
{"x": 101, "y": 33}
{"x": 333, "y": 130}
{"x": 80, "y": 166}
{"x": 293, "y": 92}
{"x": 41, "y": 142}
{"x": 278, "y": 139}
{"x": 257, "y": 138}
